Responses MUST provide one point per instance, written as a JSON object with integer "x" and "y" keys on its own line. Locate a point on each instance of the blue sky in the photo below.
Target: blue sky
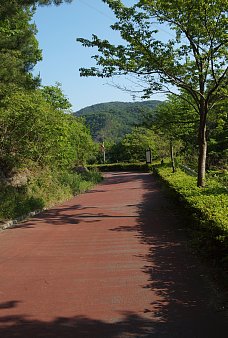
{"x": 58, "y": 28}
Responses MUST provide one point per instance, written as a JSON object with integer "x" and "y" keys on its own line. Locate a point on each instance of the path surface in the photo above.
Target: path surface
{"x": 108, "y": 263}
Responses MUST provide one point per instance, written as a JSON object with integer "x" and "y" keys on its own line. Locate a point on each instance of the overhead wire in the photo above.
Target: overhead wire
{"x": 109, "y": 17}
{"x": 95, "y": 9}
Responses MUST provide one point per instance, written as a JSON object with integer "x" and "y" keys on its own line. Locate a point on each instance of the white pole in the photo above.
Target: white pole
{"x": 103, "y": 146}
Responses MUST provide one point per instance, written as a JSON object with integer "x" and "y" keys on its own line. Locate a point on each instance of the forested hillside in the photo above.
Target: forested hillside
{"x": 113, "y": 120}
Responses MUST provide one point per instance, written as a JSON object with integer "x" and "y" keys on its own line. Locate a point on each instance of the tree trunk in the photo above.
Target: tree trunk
{"x": 202, "y": 141}
{"x": 172, "y": 157}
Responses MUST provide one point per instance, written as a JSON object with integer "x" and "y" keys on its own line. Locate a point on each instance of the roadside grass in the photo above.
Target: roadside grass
{"x": 44, "y": 189}
{"x": 208, "y": 211}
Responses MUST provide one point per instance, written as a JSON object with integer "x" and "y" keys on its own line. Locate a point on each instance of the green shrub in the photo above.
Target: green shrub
{"x": 122, "y": 166}
{"x": 15, "y": 202}
{"x": 44, "y": 189}
{"x": 208, "y": 206}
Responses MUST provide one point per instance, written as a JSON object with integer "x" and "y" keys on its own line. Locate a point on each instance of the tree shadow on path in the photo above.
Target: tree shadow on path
{"x": 188, "y": 303}
{"x": 132, "y": 325}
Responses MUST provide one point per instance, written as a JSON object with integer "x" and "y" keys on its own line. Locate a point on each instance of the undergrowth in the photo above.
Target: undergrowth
{"x": 44, "y": 189}
{"x": 123, "y": 166}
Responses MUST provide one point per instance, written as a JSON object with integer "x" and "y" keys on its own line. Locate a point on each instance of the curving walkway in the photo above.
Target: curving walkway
{"x": 112, "y": 262}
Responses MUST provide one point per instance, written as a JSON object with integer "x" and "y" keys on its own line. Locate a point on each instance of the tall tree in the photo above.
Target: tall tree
{"x": 30, "y": 128}
{"x": 194, "y": 60}
{"x": 55, "y": 96}
{"x": 177, "y": 121}
{"x": 19, "y": 51}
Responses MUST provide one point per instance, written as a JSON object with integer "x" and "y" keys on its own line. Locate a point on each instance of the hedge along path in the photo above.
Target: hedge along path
{"x": 112, "y": 262}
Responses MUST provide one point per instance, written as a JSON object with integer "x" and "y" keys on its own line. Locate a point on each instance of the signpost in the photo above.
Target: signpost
{"x": 148, "y": 156}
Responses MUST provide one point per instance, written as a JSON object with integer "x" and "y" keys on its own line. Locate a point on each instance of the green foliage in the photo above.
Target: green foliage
{"x": 133, "y": 146}
{"x": 194, "y": 60}
{"x": 35, "y": 131}
{"x": 31, "y": 130}
{"x": 47, "y": 2}
{"x": 209, "y": 207}
{"x": 122, "y": 167}
{"x": 111, "y": 121}
{"x": 196, "y": 52}
{"x": 19, "y": 50}
{"x": 10, "y": 5}
{"x": 220, "y": 176}
{"x": 45, "y": 188}
{"x": 55, "y": 97}
{"x": 16, "y": 202}
{"x": 176, "y": 121}
{"x": 218, "y": 136}
{"x": 211, "y": 201}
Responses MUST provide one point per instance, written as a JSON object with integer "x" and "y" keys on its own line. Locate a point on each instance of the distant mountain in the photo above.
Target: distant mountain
{"x": 112, "y": 120}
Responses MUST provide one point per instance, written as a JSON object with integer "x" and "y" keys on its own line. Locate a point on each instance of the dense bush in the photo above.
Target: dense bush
{"x": 32, "y": 130}
{"x": 45, "y": 188}
{"x": 208, "y": 206}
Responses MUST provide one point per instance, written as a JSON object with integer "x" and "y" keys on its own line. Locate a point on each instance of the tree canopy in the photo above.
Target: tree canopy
{"x": 34, "y": 126}
{"x": 19, "y": 50}
{"x": 193, "y": 60}
{"x": 55, "y": 97}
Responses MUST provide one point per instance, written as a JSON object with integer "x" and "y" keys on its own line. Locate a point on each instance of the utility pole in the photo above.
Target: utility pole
{"x": 103, "y": 147}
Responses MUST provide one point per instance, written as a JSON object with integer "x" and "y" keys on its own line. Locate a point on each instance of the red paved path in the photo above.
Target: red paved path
{"x": 108, "y": 263}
